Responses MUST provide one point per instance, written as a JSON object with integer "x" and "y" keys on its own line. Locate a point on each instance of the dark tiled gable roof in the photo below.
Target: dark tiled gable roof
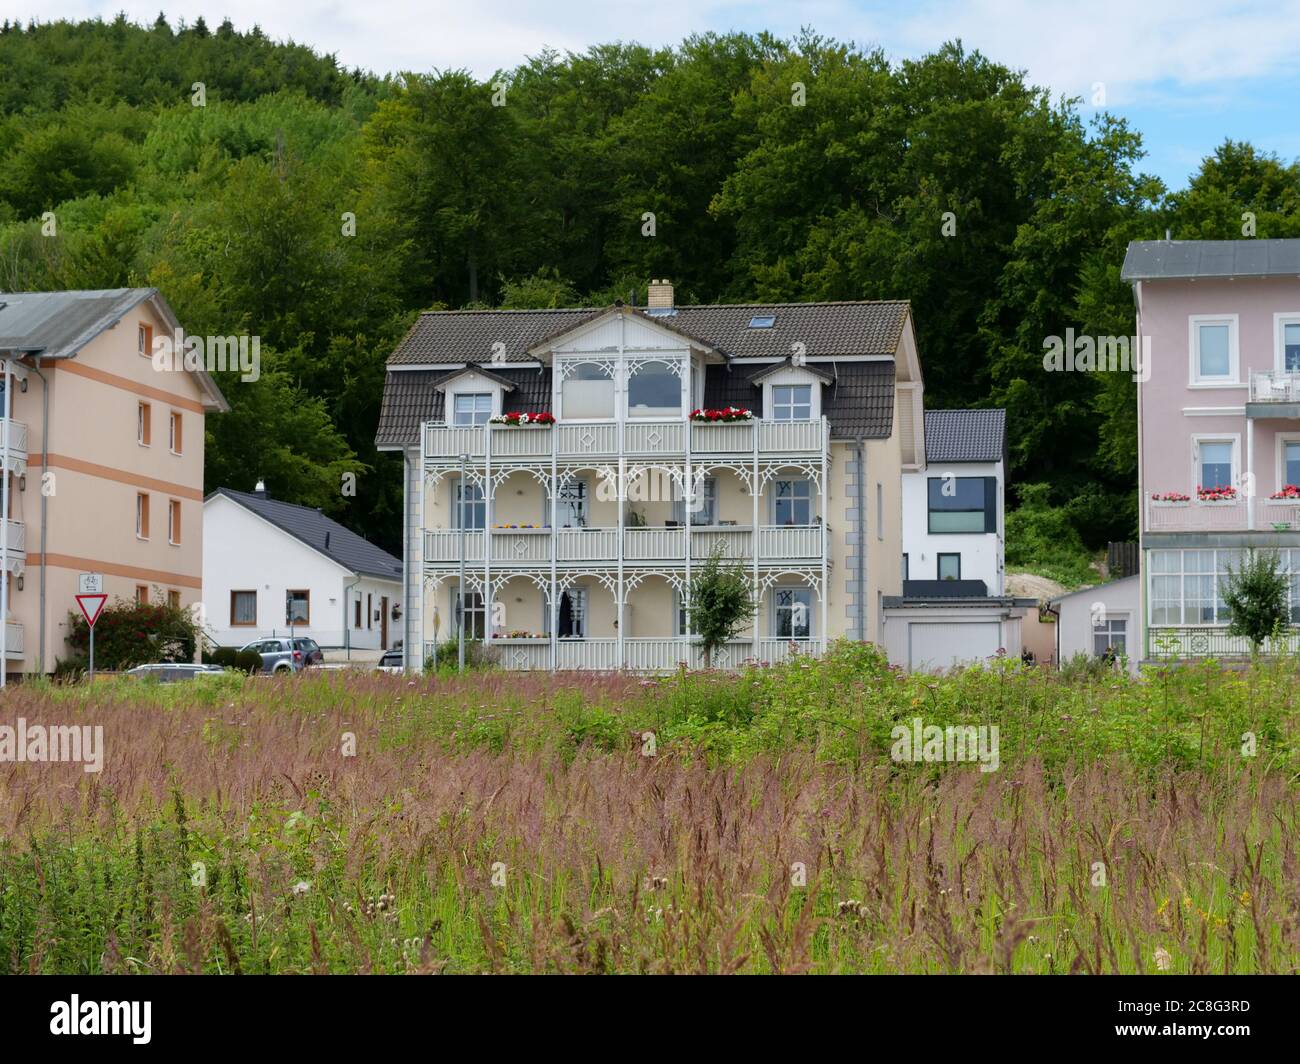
{"x": 867, "y": 328}
{"x": 965, "y": 435}
{"x": 1156, "y": 259}
{"x": 470, "y": 335}
{"x": 411, "y": 396}
{"x": 351, "y": 551}
{"x": 860, "y": 400}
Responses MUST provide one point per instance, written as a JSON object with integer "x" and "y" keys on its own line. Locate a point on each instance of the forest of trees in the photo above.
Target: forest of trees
{"x": 528, "y": 189}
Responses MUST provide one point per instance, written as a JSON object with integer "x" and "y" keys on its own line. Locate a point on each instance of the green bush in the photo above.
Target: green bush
{"x": 132, "y": 633}
{"x": 447, "y": 656}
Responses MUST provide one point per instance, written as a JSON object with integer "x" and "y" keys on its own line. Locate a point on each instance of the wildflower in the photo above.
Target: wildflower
{"x": 1163, "y": 959}
{"x": 301, "y": 887}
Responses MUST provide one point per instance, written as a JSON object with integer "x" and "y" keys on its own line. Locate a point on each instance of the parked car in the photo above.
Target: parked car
{"x": 311, "y": 651}
{"x": 173, "y": 671}
{"x": 391, "y": 661}
{"x": 278, "y": 655}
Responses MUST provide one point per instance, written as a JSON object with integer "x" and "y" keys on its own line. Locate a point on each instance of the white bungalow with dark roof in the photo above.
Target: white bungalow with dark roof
{"x": 273, "y": 568}
{"x": 773, "y": 433}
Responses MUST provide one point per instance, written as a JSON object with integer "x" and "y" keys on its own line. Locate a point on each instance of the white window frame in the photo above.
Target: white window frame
{"x": 470, "y": 504}
{"x": 623, "y": 386}
{"x": 1279, "y": 471}
{"x": 588, "y": 496}
{"x": 557, "y": 388}
{"x": 769, "y": 399}
{"x": 1233, "y": 377}
{"x": 812, "y": 501}
{"x": 1215, "y": 437}
{"x": 678, "y": 620}
{"x": 812, "y": 610}
{"x": 493, "y": 397}
{"x": 1280, "y": 322}
{"x": 1112, "y": 616}
{"x": 707, "y": 486}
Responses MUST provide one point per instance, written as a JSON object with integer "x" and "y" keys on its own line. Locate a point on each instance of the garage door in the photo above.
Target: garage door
{"x": 933, "y": 646}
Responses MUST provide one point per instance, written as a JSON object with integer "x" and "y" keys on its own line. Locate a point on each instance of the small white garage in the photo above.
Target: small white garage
{"x": 936, "y": 634}
{"x": 1100, "y": 620}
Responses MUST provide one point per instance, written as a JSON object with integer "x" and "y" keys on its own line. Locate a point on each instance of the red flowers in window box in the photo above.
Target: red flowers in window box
{"x": 726, "y": 413}
{"x": 1170, "y": 496}
{"x": 516, "y": 420}
{"x": 1218, "y": 493}
{"x": 1291, "y": 491}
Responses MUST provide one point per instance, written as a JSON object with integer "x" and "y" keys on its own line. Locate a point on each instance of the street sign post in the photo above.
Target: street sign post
{"x": 92, "y": 604}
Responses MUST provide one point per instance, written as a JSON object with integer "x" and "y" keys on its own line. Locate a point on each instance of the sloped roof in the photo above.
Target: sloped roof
{"x": 321, "y": 533}
{"x": 824, "y": 329}
{"x": 1165, "y": 259}
{"x": 965, "y": 435}
{"x": 58, "y": 324}
{"x": 412, "y": 396}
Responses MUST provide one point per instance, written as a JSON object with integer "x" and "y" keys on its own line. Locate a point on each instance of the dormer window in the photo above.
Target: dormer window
{"x": 471, "y": 408}
{"x": 791, "y": 402}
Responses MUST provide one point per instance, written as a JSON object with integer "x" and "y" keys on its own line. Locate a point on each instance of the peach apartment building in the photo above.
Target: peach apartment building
{"x": 104, "y": 461}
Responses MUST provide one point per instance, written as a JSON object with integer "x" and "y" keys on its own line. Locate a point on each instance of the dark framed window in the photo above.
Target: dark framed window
{"x": 949, "y": 566}
{"x": 963, "y": 504}
{"x": 1110, "y": 637}
{"x": 243, "y": 608}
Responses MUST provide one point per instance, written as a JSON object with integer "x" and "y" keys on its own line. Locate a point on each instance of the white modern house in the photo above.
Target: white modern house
{"x": 953, "y": 608}
{"x": 273, "y": 568}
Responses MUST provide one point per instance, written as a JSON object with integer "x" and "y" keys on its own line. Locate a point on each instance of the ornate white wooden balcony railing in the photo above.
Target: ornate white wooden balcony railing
{"x": 1204, "y": 641}
{"x": 640, "y": 654}
{"x": 1271, "y": 386}
{"x": 1238, "y": 515}
{"x": 16, "y": 431}
{"x": 14, "y": 645}
{"x": 600, "y": 439}
{"x": 533, "y": 547}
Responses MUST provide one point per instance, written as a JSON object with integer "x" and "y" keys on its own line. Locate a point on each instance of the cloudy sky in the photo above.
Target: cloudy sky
{"x": 1186, "y": 73}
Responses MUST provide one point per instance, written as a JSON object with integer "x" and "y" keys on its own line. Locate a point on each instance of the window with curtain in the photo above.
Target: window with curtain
{"x": 791, "y": 402}
{"x": 1291, "y": 462}
{"x": 1214, "y": 464}
{"x": 243, "y": 607}
{"x": 1291, "y": 346}
{"x": 1213, "y": 350}
{"x": 588, "y": 392}
{"x": 471, "y": 408}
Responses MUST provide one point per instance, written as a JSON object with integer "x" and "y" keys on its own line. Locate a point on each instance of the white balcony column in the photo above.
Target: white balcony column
{"x": 4, "y": 527}
{"x": 1250, "y": 473}
{"x": 622, "y": 489}
{"x": 488, "y": 493}
{"x": 553, "y": 601}
{"x": 688, "y": 520}
{"x": 824, "y": 492}
{"x": 756, "y": 489}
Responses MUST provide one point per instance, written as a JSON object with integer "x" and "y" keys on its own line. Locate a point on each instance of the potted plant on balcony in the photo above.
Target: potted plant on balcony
{"x": 1170, "y": 498}
{"x": 1220, "y": 493}
{"x": 721, "y": 415}
{"x": 524, "y": 420}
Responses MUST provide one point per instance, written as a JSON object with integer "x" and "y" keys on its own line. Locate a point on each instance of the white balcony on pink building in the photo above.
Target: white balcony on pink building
{"x": 1236, "y": 515}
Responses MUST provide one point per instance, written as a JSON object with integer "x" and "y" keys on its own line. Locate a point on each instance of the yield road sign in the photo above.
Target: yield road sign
{"x": 91, "y": 605}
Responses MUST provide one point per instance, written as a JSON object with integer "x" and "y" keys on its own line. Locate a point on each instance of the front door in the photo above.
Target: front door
{"x": 383, "y": 623}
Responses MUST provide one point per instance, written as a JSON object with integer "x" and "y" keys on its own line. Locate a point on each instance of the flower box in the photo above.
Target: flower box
{"x": 1171, "y": 498}
{"x": 1289, "y": 494}
{"x": 1218, "y": 494}
{"x": 523, "y": 421}
{"x": 722, "y": 415}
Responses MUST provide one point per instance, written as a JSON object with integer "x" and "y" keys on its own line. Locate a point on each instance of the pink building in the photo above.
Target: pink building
{"x": 1218, "y": 428}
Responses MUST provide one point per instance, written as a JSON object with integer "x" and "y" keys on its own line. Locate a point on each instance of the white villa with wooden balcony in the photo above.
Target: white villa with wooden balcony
{"x": 1218, "y": 430}
{"x": 571, "y": 540}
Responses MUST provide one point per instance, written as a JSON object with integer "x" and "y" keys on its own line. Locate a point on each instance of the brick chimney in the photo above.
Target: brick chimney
{"x": 660, "y": 294}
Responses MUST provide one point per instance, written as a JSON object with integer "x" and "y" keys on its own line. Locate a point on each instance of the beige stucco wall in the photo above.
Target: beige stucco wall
{"x": 96, "y": 468}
